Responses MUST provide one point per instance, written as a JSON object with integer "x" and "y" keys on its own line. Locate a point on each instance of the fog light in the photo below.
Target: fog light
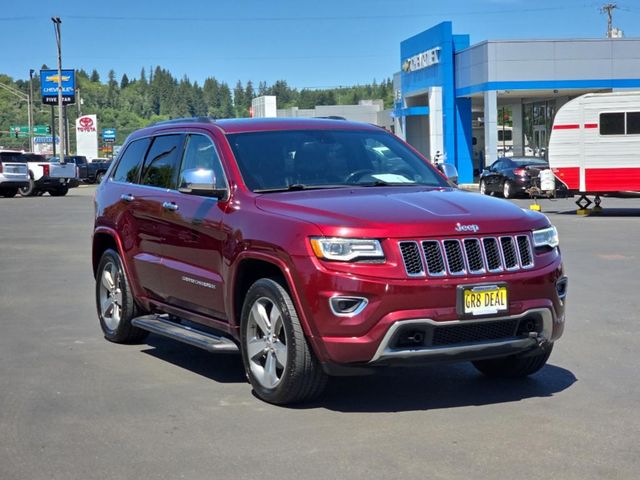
{"x": 561, "y": 288}
{"x": 347, "y": 306}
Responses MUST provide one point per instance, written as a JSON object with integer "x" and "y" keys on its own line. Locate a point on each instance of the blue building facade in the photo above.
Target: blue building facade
{"x": 450, "y": 94}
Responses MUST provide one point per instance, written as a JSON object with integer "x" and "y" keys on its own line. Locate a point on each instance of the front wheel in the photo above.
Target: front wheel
{"x": 280, "y": 365}
{"x": 483, "y": 187}
{"x": 114, "y": 301}
{"x": 514, "y": 366}
{"x": 99, "y": 177}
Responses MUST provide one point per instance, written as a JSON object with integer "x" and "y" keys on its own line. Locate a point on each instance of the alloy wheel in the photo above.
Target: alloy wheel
{"x": 111, "y": 296}
{"x": 266, "y": 343}
{"x": 507, "y": 193}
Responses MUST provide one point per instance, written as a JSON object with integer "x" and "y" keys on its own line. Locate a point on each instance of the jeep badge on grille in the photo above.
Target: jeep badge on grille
{"x": 467, "y": 228}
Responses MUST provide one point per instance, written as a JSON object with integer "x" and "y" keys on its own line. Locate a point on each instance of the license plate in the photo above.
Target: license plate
{"x": 484, "y": 300}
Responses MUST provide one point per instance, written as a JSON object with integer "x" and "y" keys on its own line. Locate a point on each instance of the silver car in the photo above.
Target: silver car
{"x": 14, "y": 173}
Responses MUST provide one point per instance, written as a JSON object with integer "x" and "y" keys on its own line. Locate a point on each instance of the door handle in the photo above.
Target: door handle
{"x": 127, "y": 197}
{"x": 170, "y": 206}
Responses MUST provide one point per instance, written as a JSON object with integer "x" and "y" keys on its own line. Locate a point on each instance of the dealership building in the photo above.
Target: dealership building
{"x": 450, "y": 94}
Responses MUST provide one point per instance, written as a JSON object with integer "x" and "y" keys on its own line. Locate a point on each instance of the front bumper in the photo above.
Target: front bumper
{"x": 538, "y": 335}
{"x": 366, "y": 339}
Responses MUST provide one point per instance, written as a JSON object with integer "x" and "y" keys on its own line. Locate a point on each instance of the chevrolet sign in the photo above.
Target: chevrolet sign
{"x": 49, "y": 86}
{"x": 422, "y": 60}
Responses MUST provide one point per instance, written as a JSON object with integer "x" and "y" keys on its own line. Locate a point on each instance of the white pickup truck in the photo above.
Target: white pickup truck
{"x": 46, "y": 176}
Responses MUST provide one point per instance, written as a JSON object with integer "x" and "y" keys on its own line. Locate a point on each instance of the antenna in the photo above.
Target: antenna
{"x": 608, "y": 8}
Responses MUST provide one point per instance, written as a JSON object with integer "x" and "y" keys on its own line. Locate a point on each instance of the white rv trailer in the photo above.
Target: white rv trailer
{"x": 595, "y": 144}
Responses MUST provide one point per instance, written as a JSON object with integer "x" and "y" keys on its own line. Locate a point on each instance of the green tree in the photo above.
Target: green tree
{"x": 124, "y": 82}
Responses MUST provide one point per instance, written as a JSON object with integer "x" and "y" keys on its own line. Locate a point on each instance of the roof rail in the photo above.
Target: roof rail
{"x": 332, "y": 117}
{"x": 184, "y": 120}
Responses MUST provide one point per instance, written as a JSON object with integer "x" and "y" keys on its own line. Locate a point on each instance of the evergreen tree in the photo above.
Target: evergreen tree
{"x": 239, "y": 101}
{"x": 112, "y": 90}
{"x": 124, "y": 83}
{"x": 95, "y": 76}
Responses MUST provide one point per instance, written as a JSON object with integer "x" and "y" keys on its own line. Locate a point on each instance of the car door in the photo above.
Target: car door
{"x": 158, "y": 175}
{"x": 138, "y": 185}
{"x": 192, "y": 249}
{"x": 491, "y": 179}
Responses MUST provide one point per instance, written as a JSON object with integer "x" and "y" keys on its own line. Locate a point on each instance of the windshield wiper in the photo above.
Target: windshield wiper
{"x": 299, "y": 186}
{"x": 382, "y": 183}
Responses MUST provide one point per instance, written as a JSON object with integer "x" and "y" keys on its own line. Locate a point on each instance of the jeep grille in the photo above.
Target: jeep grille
{"x": 466, "y": 256}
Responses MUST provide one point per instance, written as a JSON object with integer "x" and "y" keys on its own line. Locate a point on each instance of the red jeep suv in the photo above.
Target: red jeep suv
{"x": 318, "y": 247}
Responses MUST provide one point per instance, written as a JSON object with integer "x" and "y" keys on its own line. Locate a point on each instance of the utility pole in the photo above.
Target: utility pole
{"x": 608, "y": 9}
{"x": 56, "y": 25}
{"x": 31, "y": 71}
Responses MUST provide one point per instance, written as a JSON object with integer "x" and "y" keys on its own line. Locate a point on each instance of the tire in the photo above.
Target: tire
{"x": 9, "y": 192}
{"x": 507, "y": 189}
{"x": 114, "y": 301}
{"x": 514, "y": 366}
{"x": 483, "y": 188}
{"x": 29, "y": 190}
{"x": 59, "y": 192}
{"x": 281, "y": 367}
{"x": 99, "y": 177}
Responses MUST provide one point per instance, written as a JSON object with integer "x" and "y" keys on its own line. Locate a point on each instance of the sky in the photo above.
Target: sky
{"x": 310, "y": 44}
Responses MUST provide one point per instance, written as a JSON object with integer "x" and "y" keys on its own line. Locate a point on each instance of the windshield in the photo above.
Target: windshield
{"x": 300, "y": 159}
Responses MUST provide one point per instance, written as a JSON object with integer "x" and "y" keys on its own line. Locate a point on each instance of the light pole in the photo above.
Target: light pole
{"x": 31, "y": 109}
{"x": 56, "y": 25}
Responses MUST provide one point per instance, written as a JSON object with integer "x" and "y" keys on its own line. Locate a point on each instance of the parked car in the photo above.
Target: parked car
{"x": 14, "y": 174}
{"x": 88, "y": 172}
{"x": 511, "y": 176}
{"x": 289, "y": 240}
{"x": 45, "y": 176}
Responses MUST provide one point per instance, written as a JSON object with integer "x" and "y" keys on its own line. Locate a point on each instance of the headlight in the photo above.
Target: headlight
{"x": 347, "y": 249}
{"x": 547, "y": 237}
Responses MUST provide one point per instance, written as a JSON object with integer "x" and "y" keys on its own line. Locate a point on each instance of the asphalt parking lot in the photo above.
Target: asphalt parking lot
{"x": 74, "y": 406}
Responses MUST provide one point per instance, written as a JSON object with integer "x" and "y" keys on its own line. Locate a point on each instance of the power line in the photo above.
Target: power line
{"x": 318, "y": 18}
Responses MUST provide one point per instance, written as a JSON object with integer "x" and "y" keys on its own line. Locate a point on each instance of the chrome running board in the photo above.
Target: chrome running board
{"x": 185, "y": 334}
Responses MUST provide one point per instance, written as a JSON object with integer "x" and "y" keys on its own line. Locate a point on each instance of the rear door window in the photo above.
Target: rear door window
{"x": 163, "y": 162}
{"x": 130, "y": 162}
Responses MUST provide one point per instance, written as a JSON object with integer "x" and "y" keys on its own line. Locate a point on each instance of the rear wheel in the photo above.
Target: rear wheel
{"x": 9, "y": 192}
{"x": 114, "y": 301}
{"x": 59, "y": 192}
{"x": 483, "y": 188}
{"x": 99, "y": 177}
{"x": 514, "y": 366}
{"x": 29, "y": 190}
{"x": 508, "y": 190}
{"x": 280, "y": 365}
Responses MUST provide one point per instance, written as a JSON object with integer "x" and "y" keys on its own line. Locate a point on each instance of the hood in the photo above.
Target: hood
{"x": 401, "y": 212}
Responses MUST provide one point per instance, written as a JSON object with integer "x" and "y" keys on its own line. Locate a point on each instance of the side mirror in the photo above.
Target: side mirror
{"x": 199, "y": 181}
{"x": 449, "y": 171}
